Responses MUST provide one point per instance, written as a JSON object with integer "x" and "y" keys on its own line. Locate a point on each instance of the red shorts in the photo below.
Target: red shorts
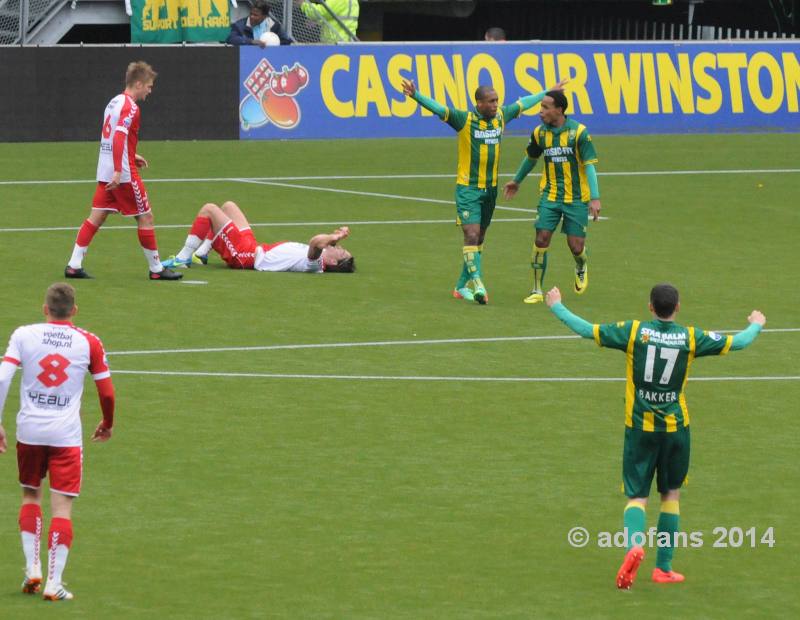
{"x": 236, "y": 247}
{"x": 64, "y": 464}
{"x": 128, "y": 199}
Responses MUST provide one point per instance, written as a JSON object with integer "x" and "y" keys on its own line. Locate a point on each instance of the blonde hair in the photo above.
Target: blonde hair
{"x": 60, "y": 300}
{"x": 139, "y": 71}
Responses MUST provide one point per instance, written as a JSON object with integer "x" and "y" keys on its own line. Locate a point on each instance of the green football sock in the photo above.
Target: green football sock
{"x": 539, "y": 265}
{"x": 634, "y": 521}
{"x": 580, "y": 259}
{"x": 464, "y": 277}
{"x": 472, "y": 262}
{"x": 668, "y": 521}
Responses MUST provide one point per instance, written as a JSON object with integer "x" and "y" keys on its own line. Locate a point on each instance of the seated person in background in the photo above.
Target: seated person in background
{"x": 252, "y": 30}
{"x": 495, "y": 33}
{"x": 228, "y": 232}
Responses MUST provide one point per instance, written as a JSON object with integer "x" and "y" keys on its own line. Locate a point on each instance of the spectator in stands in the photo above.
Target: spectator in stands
{"x": 331, "y": 30}
{"x": 252, "y": 30}
{"x": 495, "y": 34}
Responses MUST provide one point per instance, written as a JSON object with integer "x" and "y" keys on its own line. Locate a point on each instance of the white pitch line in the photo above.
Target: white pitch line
{"x": 258, "y": 375}
{"x": 372, "y": 194}
{"x": 378, "y": 343}
{"x": 340, "y": 345}
{"x": 348, "y": 177}
{"x": 272, "y": 224}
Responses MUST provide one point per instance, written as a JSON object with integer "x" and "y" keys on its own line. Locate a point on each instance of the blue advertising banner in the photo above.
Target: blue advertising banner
{"x": 354, "y": 91}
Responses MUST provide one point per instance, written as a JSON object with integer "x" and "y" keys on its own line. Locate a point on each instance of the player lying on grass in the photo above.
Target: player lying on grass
{"x": 226, "y": 230}
{"x": 659, "y": 354}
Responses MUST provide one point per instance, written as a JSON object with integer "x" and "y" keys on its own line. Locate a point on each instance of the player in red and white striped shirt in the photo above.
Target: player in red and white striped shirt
{"x": 119, "y": 187}
{"x": 226, "y": 230}
{"x": 54, "y": 356}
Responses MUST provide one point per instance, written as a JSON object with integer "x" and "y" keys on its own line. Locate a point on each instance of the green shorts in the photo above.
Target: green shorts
{"x": 575, "y": 214}
{"x": 475, "y": 206}
{"x": 647, "y": 453}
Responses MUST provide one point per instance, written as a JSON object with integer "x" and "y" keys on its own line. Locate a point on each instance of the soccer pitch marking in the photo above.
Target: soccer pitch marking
{"x": 381, "y": 343}
{"x": 259, "y": 375}
{"x": 372, "y": 194}
{"x": 272, "y": 224}
{"x": 348, "y": 177}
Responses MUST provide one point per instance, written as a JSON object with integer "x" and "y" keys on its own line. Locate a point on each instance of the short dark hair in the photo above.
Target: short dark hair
{"x": 261, "y": 5}
{"x": 481, "y": 92}
{"x": 664, "y": 298}
{"x": 559, "y": 98}
{"x": 60, "y": 300}
{"x": 495, "y": 33}
{"x": 346, "y": 265}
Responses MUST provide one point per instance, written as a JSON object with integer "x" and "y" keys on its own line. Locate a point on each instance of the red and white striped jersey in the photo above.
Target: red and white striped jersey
{"x": 120, "y": 130}
{"x": 54, "y": 357}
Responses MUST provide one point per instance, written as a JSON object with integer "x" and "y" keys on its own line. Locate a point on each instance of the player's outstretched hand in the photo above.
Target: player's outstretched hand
{"x": 756, "y": 316}
{"x": 409, "y": 88}
{"x": 115, "y": 179}
{"x": 560, "y": 85}
{"x": 553, "y": 297}
{"x": 340, "y": 233}
{"x": 141, "y": 162}
{"x": 510, "y": 190}
{"x": 3, "y": 444}
{"x": 594, "y": 208}
{"x": 101, "y": 433}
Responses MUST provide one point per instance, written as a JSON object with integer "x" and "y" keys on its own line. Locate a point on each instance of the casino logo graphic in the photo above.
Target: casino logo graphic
{"x": 271, "y": 95}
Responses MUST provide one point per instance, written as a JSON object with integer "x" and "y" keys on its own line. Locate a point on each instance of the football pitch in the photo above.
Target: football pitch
{"x": 364, "y": 445}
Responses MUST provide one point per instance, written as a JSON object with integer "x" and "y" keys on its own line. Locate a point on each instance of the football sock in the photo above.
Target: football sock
{"x": 147, "y": 239}
{"x": 198, "y": 235}
{"x": 634, "y": 521}
{"x": 580, "y": 260}
{"x": 539, "y": 265}
{"x": 472, "y": 261}
{"x": 668, "y": 521}
{"x": 59, "y": 543}
{"x": 85, "y": 235}
{"x": 204, "y": 248}
{"x": 30, "y": 527}
{"x": 464, "y": 277}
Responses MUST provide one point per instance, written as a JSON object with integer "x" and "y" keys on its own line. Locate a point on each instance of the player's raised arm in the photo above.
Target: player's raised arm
{"x": 581, "y": 327}
{"x": 317, "y": 243}
{"x": 529, "y": 101}
{"x": 745, "y": 337}
{"x": 410, "y": 90}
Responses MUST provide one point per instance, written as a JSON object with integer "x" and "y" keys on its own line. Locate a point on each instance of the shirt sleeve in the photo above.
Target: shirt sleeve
{"x": 613, "y": 335}
{"x": 533, "y": 149}
{"x": 711, "y": 343}
{"x": 98, "y": 362}
{"x": 455, "y": 118}
{"x": 586, "y": 148}
{"x": 13, "y": 353}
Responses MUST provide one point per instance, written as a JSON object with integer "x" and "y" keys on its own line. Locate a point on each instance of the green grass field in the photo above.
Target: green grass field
{"x": 373, "y": 482}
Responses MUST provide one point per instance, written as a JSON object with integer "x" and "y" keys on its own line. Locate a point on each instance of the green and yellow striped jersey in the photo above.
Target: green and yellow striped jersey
{"x": 479, "y": 143}
{"x": 659, "y": 356}
{"x": 567, "y": 149}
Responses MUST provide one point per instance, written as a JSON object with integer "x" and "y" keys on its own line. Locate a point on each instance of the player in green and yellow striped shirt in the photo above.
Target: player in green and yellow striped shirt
{"x": 479, "y": 135}
{"x": 659, "y": 354}
{"x": 569, "y": 188}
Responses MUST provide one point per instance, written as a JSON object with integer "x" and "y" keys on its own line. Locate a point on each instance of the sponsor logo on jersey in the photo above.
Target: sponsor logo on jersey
{"x": 673, "y": 339}
{"x": 57, "y": 339}
{"x": 42, "y": 400}
{"x": 714, "y": 336}
{"x": 271, "y": 96}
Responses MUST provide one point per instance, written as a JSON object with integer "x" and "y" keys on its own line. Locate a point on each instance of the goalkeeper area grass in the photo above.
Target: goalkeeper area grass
{"x": 364, "y": 445}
